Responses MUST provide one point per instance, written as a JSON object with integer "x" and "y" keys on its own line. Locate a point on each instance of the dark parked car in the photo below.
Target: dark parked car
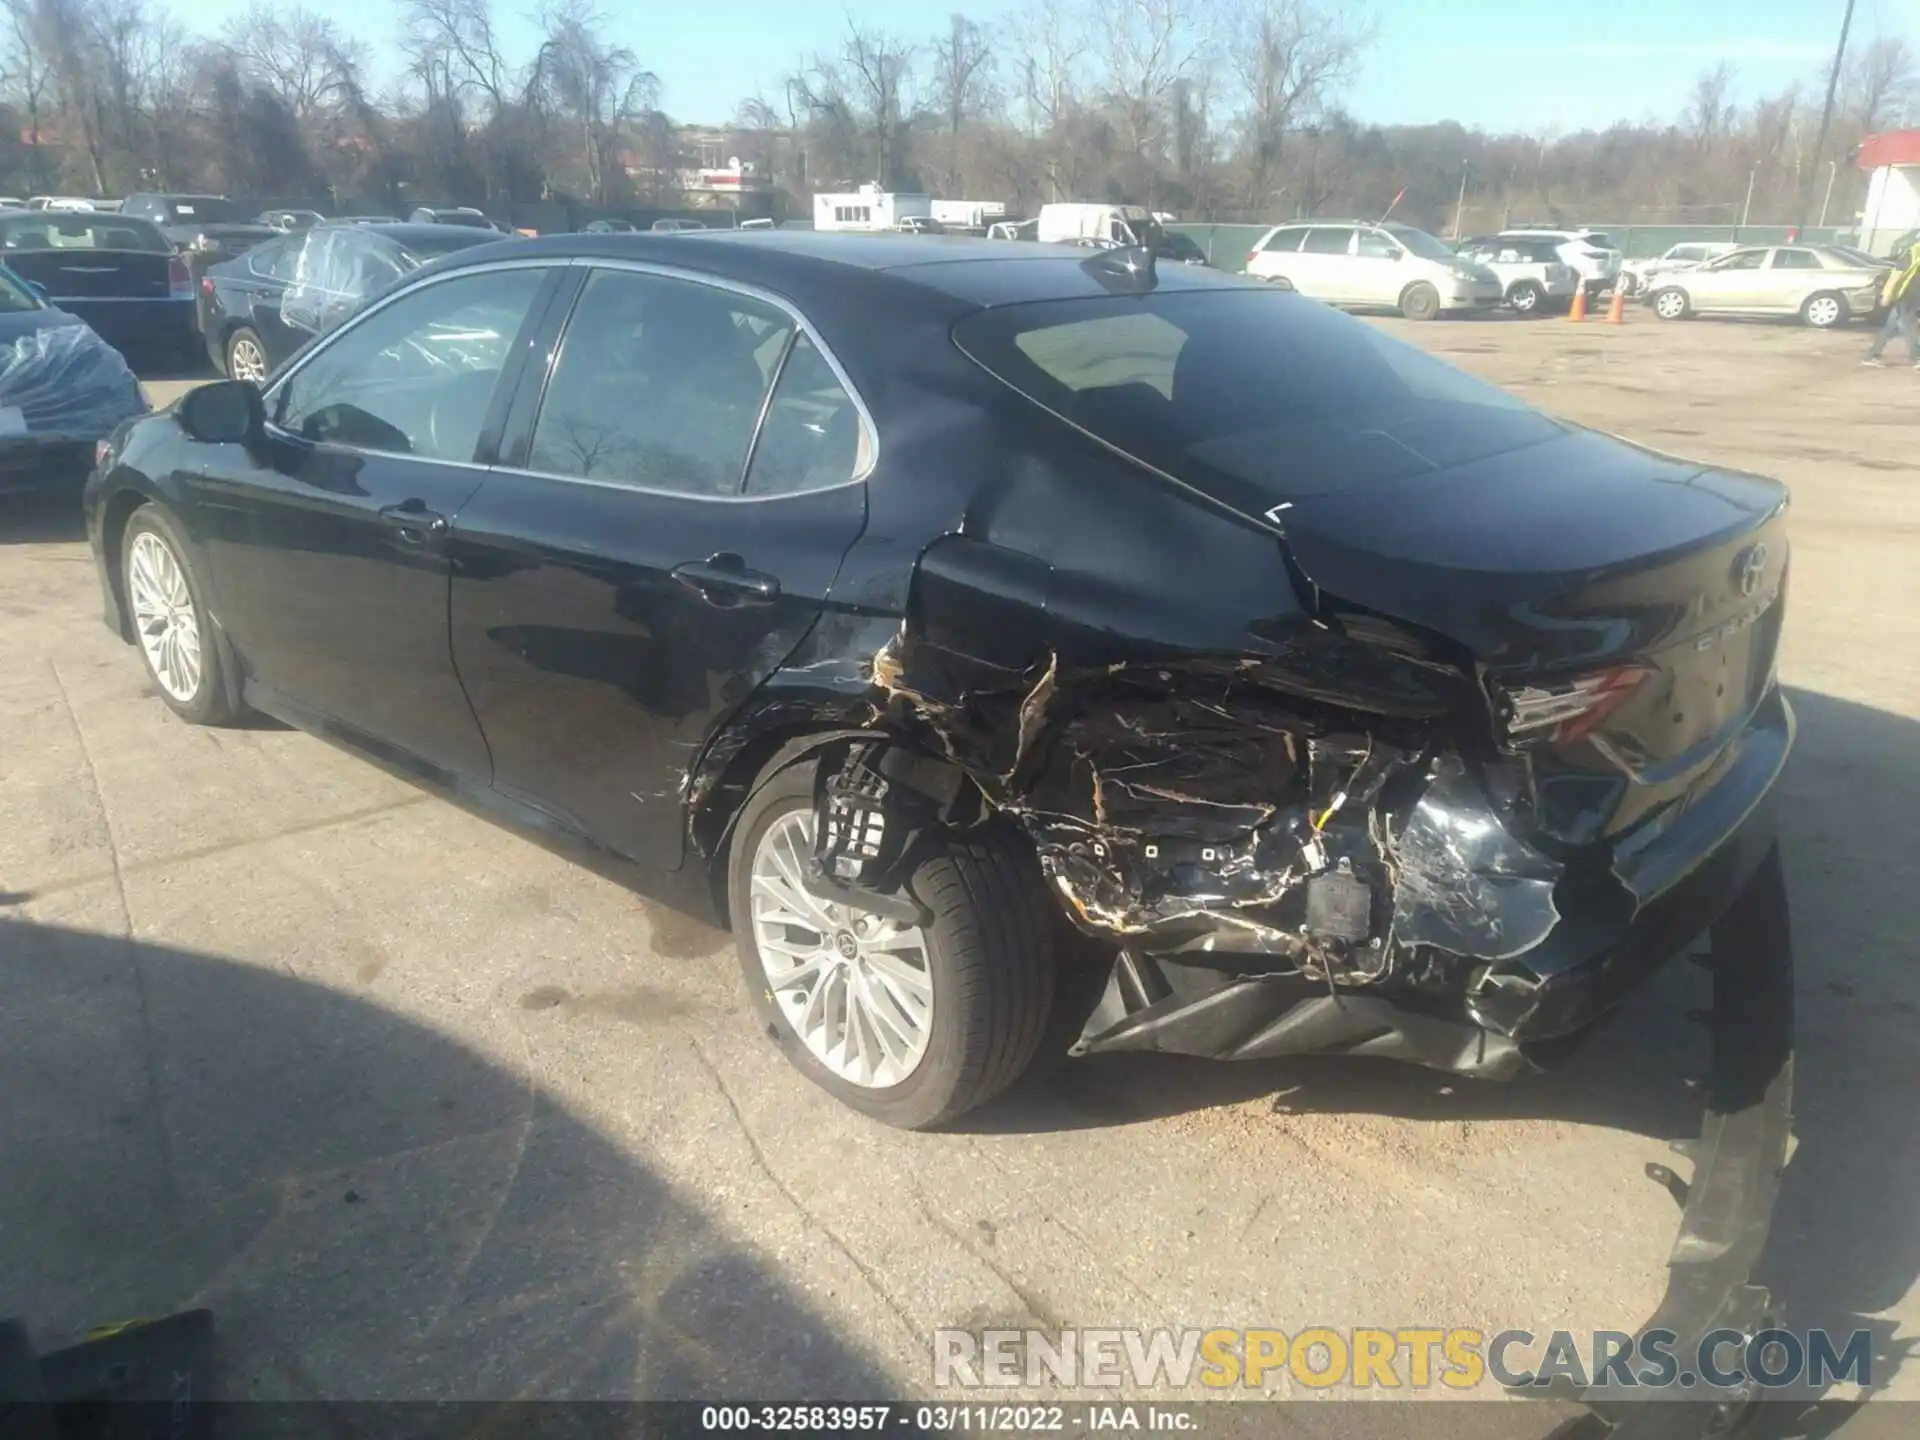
{"x": 62, "y": 390}
{"x": 206, "y": 225}
{"x": 885, "y": 598}
{"x": 249, "y": 324}
{"x": 288, "y": 221}
{"x": 115, "y": 272}
{"x": 456, "y": 215}
{"x": 609, "y": 227}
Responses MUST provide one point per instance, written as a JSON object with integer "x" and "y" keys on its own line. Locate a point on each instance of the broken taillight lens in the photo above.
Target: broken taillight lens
{"x": 1559, "y": 713}
{"x": 179, "y": 279}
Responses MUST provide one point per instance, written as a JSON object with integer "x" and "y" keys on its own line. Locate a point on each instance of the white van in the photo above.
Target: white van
{"x": 1072, "y": 223}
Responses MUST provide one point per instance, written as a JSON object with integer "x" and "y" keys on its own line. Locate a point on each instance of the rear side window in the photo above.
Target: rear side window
{"x": 81, "y": 230}
{"x": 812, "y": 435}
{"x": 1795, "y": 260}
{"x": 1255, "y": 398}
{"x": 1328, "y": 240}
{"x": 659, "y": 385}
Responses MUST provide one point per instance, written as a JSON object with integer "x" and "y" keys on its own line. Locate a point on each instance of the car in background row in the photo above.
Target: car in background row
{"x": 116, "y": 272}
{"x": 1535, "y": 276}
{"x": 1638, "y": 275}
{"x": 287, "y": 221}
{"x": 62, "y": 390}
{"x": 672, "y": 225}
{"x": 1378, "y": 267}
{"x": 209, "y": 226}
{"x": 1589, "y": 252}
{"x": 258, "y": 308}
{"x": 69, "y": 202}
{"x": 1822, "y": 287}
{"x": 456, "y": 215}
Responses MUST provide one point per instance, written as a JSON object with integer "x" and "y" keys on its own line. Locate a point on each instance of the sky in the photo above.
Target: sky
{"x": 1524, "y": 65}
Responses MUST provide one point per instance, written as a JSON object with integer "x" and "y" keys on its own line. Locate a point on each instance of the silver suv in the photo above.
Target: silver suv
{"x": 1384, "y": 267}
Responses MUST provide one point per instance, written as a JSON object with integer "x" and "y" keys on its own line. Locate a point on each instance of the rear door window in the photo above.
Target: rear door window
{"x": 1255, "y": 398}
{"x": 1328, "y": 240}
{"x": 812, "y": 436}
{"x": 1795, "y": 260}
{"x": 660, "y": 385}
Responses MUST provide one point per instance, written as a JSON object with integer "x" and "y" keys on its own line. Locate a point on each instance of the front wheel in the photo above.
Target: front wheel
{"x": 1420, "y": 301}
{"x": 1671, "y": 304}
{"x": 1526, "y": 297}
{"x": 1824, "y": 311}
{"x": 1280, "y": 282}
{"x": 913, "y": 1025}
{"x": 170, "y": 625}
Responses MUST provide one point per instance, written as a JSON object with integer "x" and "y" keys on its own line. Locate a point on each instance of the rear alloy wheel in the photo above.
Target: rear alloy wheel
{"x": 246, "y": 357}
{"x": 1420, "y": 301}
{"x": 169, "y": 620}
{"x": 1824, "y": 311}
{"x": 1672, "y": 304}
{"x": 912, "y": 1024}
{"x": 1525, "y": 297}
{"x": 1280, "y": 282}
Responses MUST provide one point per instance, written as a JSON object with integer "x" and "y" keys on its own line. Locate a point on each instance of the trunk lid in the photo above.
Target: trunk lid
{"x": 85, "y": 274}
{"x": 1570, "y": 559}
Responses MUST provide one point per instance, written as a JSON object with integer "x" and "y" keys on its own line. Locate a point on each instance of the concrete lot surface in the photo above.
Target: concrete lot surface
{"x": 418, "y": 1110}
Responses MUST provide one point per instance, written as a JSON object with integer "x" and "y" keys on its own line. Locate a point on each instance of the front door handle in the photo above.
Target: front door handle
{"x": 724, "y": 579}
{"x": 413, "y": 522}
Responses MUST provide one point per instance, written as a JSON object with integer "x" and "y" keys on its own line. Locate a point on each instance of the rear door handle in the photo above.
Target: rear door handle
{"x": 724, "y": 579}
{"x": 413, "y": 522}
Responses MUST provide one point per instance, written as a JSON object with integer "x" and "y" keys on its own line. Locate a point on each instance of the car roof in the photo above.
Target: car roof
{"x": 407, "y": 232}
{"x": 968, "y": 268}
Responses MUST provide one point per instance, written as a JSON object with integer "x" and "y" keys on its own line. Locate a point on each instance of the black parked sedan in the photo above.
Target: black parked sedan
{"x": 115, "y": 272}
{"x": 330, "y": 270}
{"x": 883, "y": 596}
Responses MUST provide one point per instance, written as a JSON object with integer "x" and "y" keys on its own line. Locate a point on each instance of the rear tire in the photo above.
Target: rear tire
{"x": 245, "y": 356}
{"x": 1672, "y": 303}
{"x": 1420, "y": 301}
{"x": 989, "y": 963}
{"x": 1526, "y": 297}
{"x": 1825, "y": 310}
{"x": 1280, "y": 282}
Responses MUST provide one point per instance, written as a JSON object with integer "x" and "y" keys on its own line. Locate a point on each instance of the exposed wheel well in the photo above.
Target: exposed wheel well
{"x": 113, "y": 528}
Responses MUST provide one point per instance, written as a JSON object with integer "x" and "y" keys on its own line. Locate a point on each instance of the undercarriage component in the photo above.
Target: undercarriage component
{"x": 1187, "y": 1009}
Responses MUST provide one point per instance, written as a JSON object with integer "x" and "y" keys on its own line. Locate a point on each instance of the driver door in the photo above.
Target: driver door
{"x": 1732, "y": 283}
{"x": 328, "y": 541}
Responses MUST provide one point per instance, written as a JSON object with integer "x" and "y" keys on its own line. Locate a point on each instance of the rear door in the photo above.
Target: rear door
{"x": 328, "y": 542}
{"x": 664, "y": 527}
{"x": 1323, "y": 268}
{"x": 1792, "y": 274}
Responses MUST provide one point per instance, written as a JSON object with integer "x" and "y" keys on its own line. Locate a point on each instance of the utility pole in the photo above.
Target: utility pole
{"x": 1826, "y": 116}
{"x": 1833, "y": 168}
{"x": 1747, "y": 208}
{"x": 1460, "y": 205}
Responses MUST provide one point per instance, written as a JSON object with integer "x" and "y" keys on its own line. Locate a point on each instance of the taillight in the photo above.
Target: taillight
{"x": 206, "y": 285}
{"x": 1559, "y": 713}
{"x": 179, "y": 279}
{"x": 1252, "y": 255}
{"x": 101, "y": 450}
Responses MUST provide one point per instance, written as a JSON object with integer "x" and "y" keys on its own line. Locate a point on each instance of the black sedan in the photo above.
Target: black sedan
{"x": 886, "y": 598}
{"x": 117, "y": 273}
{"x": 250, "y": 325}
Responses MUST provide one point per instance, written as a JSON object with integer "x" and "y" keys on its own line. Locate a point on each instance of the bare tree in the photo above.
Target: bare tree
{"x": 960, "y": 84}
{"x": 1145, "y": 46}
{"x": 1709, "y": 106}
{"x": 1285, "y": 57}
{"x": 300, "y": 56}
{"x": 1880, "y": 84}
{"x": 30, "y": 81}
{"x": 594, "y": 88}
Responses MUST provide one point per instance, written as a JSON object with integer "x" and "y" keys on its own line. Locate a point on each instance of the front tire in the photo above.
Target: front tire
{"x": 1672, "y": 304}
{"x": 1420, "y": 301}
{"x": 911, "y": 1025}
{"x": 166, "y": 603}
{"x": 1825, "y": 310}
{"x": 1526, "y": 297}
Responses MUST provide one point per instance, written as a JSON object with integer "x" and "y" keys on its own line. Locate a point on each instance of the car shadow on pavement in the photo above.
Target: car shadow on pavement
{"x": 51, "y": 517}
{"x": 1845, "y": 1241}
{"x": 371, "y": 1209}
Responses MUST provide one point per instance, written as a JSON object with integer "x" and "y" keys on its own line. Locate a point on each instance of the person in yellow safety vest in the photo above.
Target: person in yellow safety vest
{"x": 1901, "y": 296}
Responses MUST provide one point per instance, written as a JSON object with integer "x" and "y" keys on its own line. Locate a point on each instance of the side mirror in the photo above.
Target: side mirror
{"x": 227, "y": 412}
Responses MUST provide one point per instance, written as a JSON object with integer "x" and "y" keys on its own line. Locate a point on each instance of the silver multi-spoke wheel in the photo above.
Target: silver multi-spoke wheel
{"x": 1823, "y": 311}
{"x": 1670, "y": 304}
{"x": 246, "y": 360}
{"x": 856, "y": 987}
{"x": 163, "y": 615}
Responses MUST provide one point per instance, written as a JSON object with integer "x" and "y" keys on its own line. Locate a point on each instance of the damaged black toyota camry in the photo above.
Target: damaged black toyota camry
{"x": 896, "y": 599}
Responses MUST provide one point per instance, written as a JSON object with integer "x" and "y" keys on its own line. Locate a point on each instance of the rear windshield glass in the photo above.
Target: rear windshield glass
{"x": 73, "y": 230}
{"x": 1256, "y": 397}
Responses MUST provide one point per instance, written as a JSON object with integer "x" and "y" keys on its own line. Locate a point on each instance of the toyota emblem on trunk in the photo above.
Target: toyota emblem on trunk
{"x": 1749, "y": 566}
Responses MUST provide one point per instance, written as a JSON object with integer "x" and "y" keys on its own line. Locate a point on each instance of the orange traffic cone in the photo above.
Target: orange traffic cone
{"x": 1617, "y": 307}
{"x": 1579, "y": 310}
